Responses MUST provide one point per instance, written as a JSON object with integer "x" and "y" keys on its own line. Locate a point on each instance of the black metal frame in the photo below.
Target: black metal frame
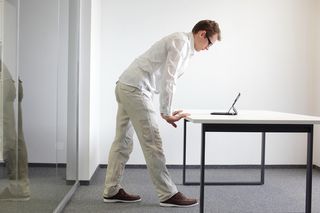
{"x": 221, "y": 183}
{"x": 279, "y": 128}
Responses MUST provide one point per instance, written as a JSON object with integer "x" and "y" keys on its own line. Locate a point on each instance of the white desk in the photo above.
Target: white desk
{"x": 255, "y": 121}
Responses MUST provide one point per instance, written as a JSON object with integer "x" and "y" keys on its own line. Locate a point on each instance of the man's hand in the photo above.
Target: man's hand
{"x": 176, "y": 116}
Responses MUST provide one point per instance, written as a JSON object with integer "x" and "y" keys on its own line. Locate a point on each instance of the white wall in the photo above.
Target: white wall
{"x": 89, "y": 93}
{"x": 62, "y": 83}
{"x": 73, "y": 90}
{"x": 1, "y": 22}
{"x": 265, "y": 54}
{"x": 317, "y": 77}
{"x": 10, "y": 40}
{"x": 84, "y": 90}
{"x": 89, "y": 64}
{"x": 43, "y": 69}
{"x": 1, "y": 88}
{"x": 95, "y": 67}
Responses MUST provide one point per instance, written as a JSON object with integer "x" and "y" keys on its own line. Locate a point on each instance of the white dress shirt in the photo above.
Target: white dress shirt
{"x": 159, "y": 67}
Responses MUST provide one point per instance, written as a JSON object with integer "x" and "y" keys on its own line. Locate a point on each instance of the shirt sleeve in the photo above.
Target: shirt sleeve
{"x": 174, "y": 61}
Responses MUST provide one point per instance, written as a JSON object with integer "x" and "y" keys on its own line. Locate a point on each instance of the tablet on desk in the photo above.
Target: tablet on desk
{"x": 223, "y": 113}
{"x": 229, "y": 112}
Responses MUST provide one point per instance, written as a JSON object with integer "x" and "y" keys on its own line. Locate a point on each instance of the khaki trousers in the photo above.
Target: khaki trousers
{"x": 136, "y": 111}
{"x": 14, "y": 148}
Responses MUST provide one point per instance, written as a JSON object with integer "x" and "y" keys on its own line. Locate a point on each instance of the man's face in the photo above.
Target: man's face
{"x": 202, "y": 41}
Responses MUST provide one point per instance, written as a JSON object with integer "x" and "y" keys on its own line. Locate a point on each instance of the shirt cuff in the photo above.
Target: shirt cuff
{"x": 165, "y": 111}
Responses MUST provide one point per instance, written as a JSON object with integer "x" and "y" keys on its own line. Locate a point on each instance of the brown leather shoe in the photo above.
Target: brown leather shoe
{"x": 122, "y": 197}
{"x": 179, "y": 200}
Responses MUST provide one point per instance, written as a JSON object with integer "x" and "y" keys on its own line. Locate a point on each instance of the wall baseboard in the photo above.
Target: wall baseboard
{"x": 170, "y": 166}
{"x": 178, "y": 166}
{"x": 47, "y": 165}
{"x": 244, "y": 166}
{"x": 87, "y": 182}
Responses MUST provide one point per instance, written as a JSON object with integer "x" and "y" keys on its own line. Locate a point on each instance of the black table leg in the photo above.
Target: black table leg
{"x": 263, "y": 151}
{"x": 203, "y": 143}
{"x": 309, "y": 171}
{"x": 262, "y": 166}
{"x": 184, "y": 152}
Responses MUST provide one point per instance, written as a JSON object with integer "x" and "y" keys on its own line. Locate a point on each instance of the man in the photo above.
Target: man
{"x": 14, "y": 147}
{"x": 155, "y": 71}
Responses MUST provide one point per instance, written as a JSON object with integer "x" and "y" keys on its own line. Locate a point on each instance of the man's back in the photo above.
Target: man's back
{"x": 146, "y": 71}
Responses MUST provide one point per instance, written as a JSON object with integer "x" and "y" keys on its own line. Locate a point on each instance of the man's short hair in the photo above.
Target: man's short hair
{"x": 211, "y": 28}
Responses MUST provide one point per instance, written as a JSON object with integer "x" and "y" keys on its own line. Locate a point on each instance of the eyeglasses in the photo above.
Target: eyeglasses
{"x": 209, "y": 42}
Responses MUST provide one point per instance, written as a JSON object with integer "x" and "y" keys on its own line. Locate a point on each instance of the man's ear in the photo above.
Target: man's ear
{"x": 202, "y": 33}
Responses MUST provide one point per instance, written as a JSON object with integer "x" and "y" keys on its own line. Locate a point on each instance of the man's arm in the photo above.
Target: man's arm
{"x": 175, "y": 57}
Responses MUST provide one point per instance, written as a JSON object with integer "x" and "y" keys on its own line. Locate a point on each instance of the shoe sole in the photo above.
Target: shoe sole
{"x": 120, "y": 201}
{"x": 176, "y": 205}
{"x": 15, "y": 199}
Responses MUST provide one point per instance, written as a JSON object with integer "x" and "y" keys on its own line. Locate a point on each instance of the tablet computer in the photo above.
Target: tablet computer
{"x": 229, "y": 112}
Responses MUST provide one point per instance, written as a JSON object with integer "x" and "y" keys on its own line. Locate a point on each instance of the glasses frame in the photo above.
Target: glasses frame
{"x": 209, "y": 41}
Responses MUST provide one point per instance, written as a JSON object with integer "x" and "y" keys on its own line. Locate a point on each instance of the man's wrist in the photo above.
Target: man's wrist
{"x": 164, "y": 116}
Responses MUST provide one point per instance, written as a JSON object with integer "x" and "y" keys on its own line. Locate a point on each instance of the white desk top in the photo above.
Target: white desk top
{"x": 251, "y": 117}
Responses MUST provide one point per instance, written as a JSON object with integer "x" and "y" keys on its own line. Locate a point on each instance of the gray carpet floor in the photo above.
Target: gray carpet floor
{"x": 283, "y": 192}
{"x": 48, "y": 187}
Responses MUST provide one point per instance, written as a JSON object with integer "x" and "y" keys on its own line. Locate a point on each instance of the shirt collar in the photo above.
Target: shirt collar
{"x": 191, "y": 39}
